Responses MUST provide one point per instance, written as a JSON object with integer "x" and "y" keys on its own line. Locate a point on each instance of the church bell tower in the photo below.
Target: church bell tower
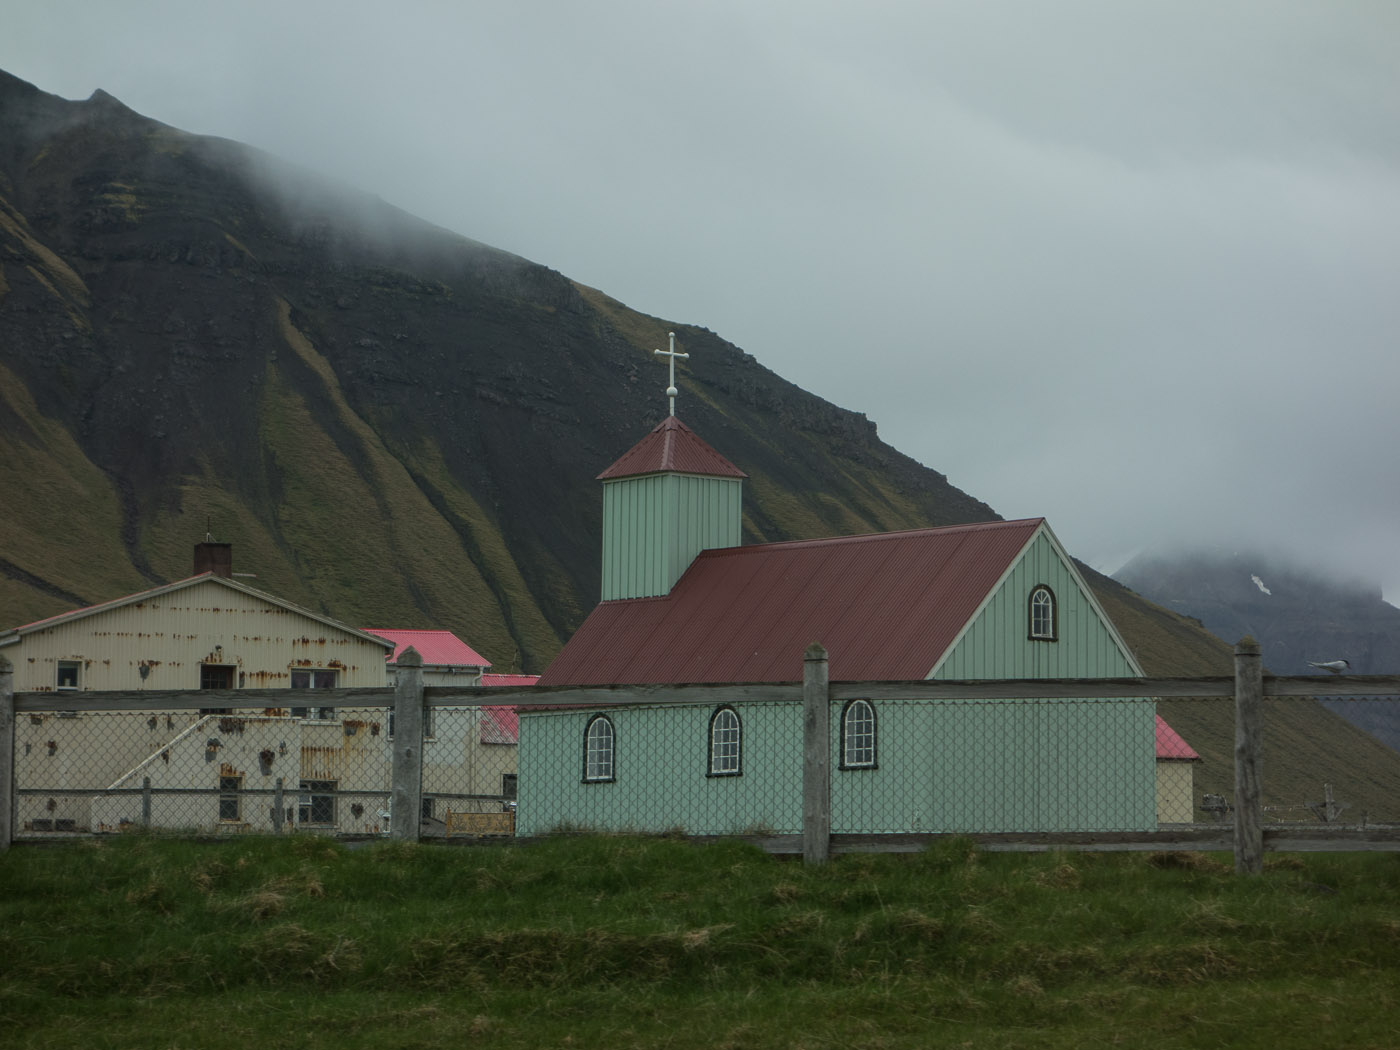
{"x": 667, "y": 499}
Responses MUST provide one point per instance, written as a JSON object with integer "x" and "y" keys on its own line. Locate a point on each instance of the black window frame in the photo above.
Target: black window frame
{"x": 230, "y": 799}
{"x": 313, "y": 797}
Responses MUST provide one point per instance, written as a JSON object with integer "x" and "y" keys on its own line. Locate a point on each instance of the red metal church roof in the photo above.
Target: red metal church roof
{"x": 886, "y": 607}
{"x": 671, "y": 447}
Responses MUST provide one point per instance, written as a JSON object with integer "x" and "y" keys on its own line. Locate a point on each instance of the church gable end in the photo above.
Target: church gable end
{"x": 1014, "y": 635}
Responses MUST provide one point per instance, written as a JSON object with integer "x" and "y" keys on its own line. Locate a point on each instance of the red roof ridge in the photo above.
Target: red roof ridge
{"x": 671, "y": 447}
{"x": 867, "y": 537}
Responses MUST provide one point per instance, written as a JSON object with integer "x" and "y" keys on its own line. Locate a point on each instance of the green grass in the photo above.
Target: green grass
{"x": 144, "y": 941}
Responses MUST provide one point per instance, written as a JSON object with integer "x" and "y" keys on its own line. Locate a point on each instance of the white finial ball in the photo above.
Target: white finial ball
{"x": 671, "y": 391}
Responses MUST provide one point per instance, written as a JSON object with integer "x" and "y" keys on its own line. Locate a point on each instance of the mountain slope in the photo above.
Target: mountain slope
{"x": 391, "y": 423}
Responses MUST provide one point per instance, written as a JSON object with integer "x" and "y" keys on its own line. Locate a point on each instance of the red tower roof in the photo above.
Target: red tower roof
{"x": 671, "y": 447}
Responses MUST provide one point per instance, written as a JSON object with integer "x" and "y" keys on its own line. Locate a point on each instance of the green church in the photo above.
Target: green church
{"x": 684, "y": 602}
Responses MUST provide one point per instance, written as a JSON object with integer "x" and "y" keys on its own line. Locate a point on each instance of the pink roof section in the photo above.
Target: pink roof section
{"x": 671, "y": 447}
{"x": 437, "y": 648}
{"x": 509, "y": 679}
{"x": 1170, "y": 744}
{"x": 500, "y": 725}
{"x": 885, "y": 606}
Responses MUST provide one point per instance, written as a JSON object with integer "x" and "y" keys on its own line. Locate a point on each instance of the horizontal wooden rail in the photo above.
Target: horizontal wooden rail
{"x": 526, "y": 697}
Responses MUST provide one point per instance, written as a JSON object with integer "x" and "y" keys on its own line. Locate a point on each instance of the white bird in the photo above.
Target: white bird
{"x": 1335, "y": 666}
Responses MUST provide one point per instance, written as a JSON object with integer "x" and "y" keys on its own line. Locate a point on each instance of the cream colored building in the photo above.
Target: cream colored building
{"x": 1176, "y": 776}
{"x": 469, "y": 752}
{"x": 210, "y": 631}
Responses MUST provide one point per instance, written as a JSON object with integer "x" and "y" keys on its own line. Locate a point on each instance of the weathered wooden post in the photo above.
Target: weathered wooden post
{"x": 7, "y": 753}
{"x": 407, "y": 773}
{"x": 279, "y": 800}
{"x": 1249, "y": 694}
{"x": 816, "y": 756}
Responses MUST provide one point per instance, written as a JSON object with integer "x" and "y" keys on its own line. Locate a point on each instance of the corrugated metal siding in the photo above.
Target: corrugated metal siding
{"x": 997, "y": 644}
{"x": 885, "y": 606}
{"x": 661, "y": 766}
{"x": 654, "y": 526}
{"x": 997, "y": 766}
{"x": 170, "y": 635}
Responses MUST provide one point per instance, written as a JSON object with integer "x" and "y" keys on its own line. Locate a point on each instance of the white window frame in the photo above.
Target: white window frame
{"x": 599, "y": 751}
{"x": 76, "y": 666}
{"x": 1043, "y": 624}
{"x": 859, "y": 735}
{"x": 313, "y": 674}
{"x": 726, "y": 743}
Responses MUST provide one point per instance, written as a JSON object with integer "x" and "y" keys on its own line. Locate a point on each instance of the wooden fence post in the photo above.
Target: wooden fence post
{"x": 1249, "y": 693}
{"x": 406, "y": 807}
{"x": 7, "y": 753}
{"x": 816, "y": 756}
{"x": 279, "y": 801}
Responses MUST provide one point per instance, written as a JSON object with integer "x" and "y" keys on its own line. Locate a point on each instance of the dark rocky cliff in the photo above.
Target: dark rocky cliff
{"x": 390, "y": 422}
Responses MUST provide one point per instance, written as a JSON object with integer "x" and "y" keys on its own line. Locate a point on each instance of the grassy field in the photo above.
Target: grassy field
{"x": 142, "y": 941}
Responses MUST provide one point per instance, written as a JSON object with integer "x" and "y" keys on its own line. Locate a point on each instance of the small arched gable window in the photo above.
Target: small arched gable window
{"x": 858, "y": 741}
{"x": 599, "y": 747}
{"x": 1043, "y": 621}
{"x": 726, "y": 743}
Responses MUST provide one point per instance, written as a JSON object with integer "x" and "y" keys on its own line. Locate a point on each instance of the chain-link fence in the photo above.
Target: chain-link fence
{"x": 884, "y": 760}
{"x": 895, "y": 767}
{"x": 316, "y": 768}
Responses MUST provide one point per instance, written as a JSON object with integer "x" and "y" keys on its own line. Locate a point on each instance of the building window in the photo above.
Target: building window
{"x": 69, "y": 674}
{"x": 858, "y": 735}
{"x": 1042, "y": 615}
{"x": 215, "y": 676}
{"x": 230, "y": 802}
{"x": 509, "y": 785}
{"x": 599, "y": 750}
{"x": 314, "y": 679}
{"x": 317, "y": 802}
{"x": 425, "y": 807}
{"x": 725, "y": 743}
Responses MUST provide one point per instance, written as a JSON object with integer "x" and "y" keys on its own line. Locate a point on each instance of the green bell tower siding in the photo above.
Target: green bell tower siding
{"x": 667, "y": 499}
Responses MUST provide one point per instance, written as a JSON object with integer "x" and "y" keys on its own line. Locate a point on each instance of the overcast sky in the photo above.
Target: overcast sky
{"x": 1131, "y": 266}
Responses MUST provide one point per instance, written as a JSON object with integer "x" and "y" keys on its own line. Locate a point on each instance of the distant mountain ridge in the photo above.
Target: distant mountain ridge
{"x": 1299, "y": 617}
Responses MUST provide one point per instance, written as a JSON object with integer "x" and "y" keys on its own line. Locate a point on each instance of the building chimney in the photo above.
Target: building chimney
{"x": 214, "y": 557}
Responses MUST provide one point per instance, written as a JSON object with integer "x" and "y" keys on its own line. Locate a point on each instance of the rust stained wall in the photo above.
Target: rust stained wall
{"x": 162, "y": 642}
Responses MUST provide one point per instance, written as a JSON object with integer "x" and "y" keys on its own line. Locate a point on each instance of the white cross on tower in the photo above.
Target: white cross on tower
{"x": 671, "y": 390}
